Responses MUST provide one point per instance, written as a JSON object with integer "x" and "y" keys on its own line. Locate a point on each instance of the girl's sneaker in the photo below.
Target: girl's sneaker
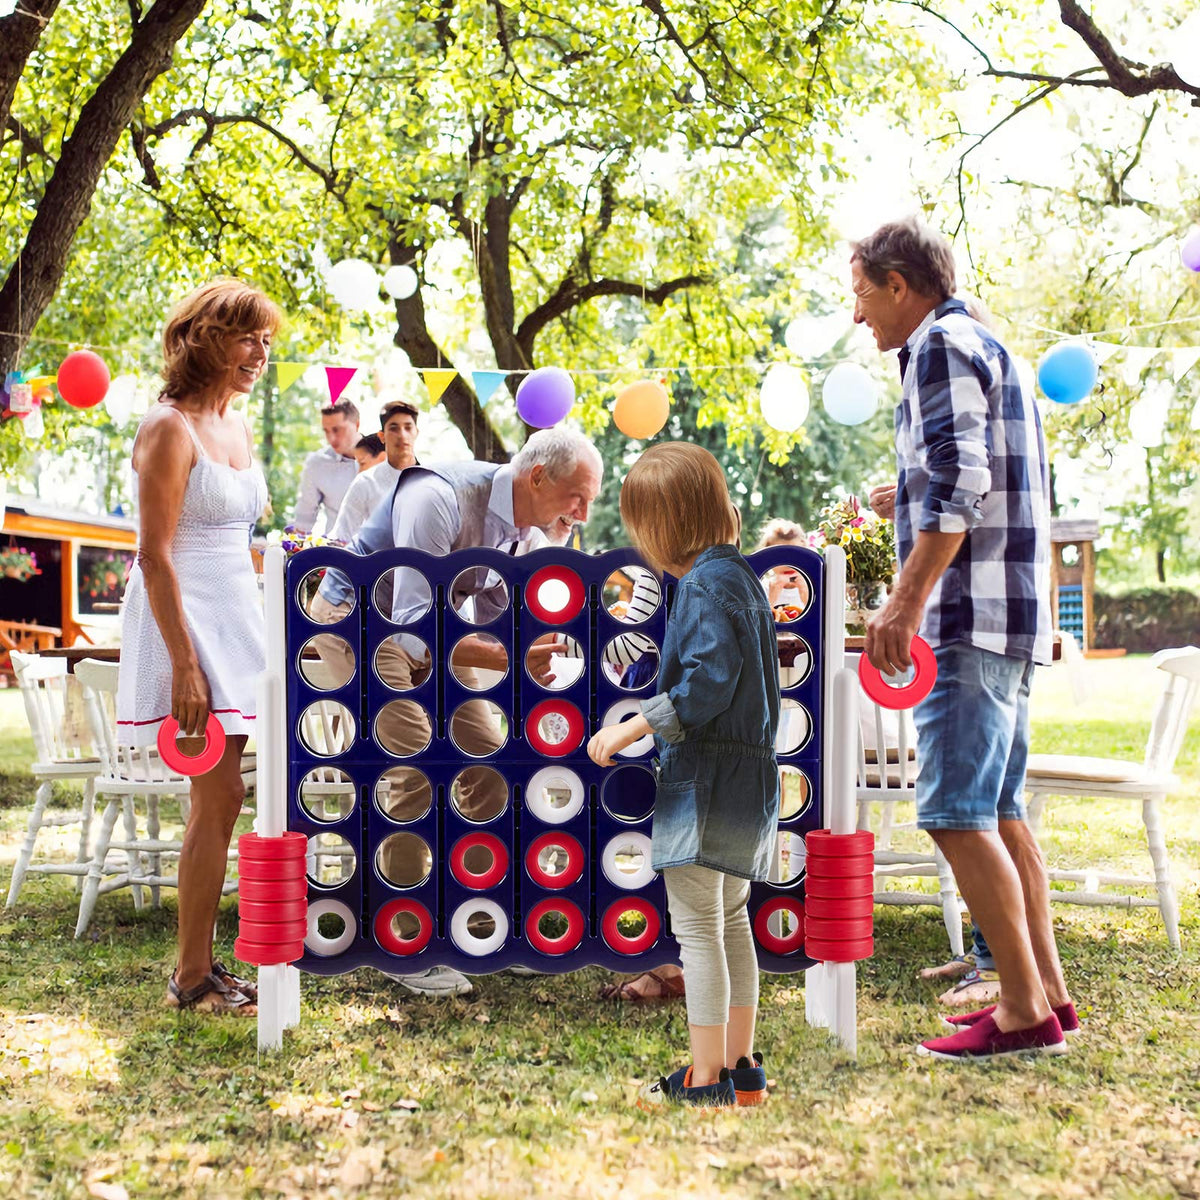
{"x": 676, "y": 1088}
{"x": 749, "y": 1080}
{"x": 1067, "y": 1018}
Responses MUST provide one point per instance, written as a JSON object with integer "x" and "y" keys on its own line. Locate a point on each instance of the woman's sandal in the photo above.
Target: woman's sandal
{"x": 669, "y": 988}
{"x": 211, "y": 995}
{"x": 246, "y": 986}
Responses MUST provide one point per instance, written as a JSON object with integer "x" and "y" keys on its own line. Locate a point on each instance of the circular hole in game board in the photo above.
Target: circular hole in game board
{"x": 555, "y": 661}
{"x": 479, "y": 794}
{"x": 795, "y": 660}
{"x": 631, "y": 661}
{"x": 402, "y": 595}
{"x": 403, "y": 663}
{"x": 327, "y": 794}
{"x": 325, "y": 595}
{"x": 791, "y": 857}
{"x": 555, "y": 594}
{"x": 479, "y": 727}
{"x": 795, "y": 793}
{"x": 553, "y": 924}
{"x": 331, "y": 925}
{"x": 789, "y": 591}
{"x": 628, "y": 794}
{"x": 403, "y": 794}
{"x": 327, "y": 728}
{"x": 331, "y": 860}
{"x": 404, "y": 860}
{"x": 554, "y": 795}
{"x": 326, "y": 662}
{"x": 478, "y": 595}
{"x": 478, "y": 860}
{"x": 795, "y": 728}
{"x": 779, "y": 924}
{"x": 478, "y": 678}
{"x": 406, "y": 926}
{"x": 631, "y": 594}
{"x": 403, "y": 728}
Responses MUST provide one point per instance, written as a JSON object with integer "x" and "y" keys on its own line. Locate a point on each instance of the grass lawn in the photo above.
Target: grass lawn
{"x": 525, "y": 1088}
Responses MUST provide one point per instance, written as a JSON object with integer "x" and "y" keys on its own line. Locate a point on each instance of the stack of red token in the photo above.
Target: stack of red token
{"x": 839, "y": 896}
{"x": 272, "y": 898}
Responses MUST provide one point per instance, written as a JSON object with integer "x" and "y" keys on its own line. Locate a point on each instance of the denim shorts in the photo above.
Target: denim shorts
{"x": 973, "y": 740}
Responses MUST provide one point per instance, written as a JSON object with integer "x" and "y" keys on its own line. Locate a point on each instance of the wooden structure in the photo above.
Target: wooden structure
{"x": 1073, "y": 577}
{"x": 82, "y": 560}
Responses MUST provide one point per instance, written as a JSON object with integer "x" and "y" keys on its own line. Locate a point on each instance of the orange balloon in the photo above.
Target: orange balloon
{"x": 642, "y": 409}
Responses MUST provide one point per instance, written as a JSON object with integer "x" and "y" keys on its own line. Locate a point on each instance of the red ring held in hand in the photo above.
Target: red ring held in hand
{"x": 839, "y": 889}
{"x": 271, "y": 891}
{"x": 485, "y": 879}
{"x": 574, "y": 867}
{"x": 383, "y": 927}
{"x": 559, "y": 945}
{"x": 263, "y": 954}
{"x": 630, "y": 945}
{"x": 270, "y": 910}
{"x": 911, "y": 694}
{"x": 576, "y": 596}
{"x": 839, "y": 951}
{"x": 771, "y": 941}
{"x": 575, "y": 728}
{"x": 191, "y": 764}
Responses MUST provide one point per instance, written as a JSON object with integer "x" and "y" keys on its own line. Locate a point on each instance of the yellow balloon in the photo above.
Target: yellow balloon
{"x": 642, "y": 409}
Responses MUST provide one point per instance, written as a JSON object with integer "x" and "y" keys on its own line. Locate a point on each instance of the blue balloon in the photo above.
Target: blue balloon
{"x": 1068, "y": 372}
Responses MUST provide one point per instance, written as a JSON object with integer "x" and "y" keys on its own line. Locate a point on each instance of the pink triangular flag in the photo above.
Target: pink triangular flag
{"x": 338, "y": 378}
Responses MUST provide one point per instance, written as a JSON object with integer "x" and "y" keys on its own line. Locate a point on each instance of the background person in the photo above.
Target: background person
{"x": 192, "y": 639}
{"x": 368, "y": 452}
{"x": 398, "y": 432}
{"x": 328, "y": 472}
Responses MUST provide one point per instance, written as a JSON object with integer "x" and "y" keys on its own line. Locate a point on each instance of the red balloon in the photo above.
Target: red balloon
{"x": 83, "y": 379}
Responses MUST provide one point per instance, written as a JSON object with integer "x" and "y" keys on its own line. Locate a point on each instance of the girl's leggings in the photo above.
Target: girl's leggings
{"x": 712, "y": 926}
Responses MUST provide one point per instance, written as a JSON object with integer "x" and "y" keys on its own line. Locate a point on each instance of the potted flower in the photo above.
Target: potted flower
{"x": 16, "y": 562}
{"x": 870, "y": 545}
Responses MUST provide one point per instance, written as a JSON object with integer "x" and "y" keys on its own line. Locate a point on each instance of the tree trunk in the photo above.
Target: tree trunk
{"x": 35, "y": 276}
{"x": 19, "y": 33}
{"x": 1160, "y": 564}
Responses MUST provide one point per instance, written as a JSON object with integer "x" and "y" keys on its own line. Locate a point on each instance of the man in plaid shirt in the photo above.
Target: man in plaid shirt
{"x": 973, "y": 531}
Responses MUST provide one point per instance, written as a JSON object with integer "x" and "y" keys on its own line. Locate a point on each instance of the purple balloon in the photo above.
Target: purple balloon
{"x": 545, "y": 397}
{"x": 1191, "y": 251}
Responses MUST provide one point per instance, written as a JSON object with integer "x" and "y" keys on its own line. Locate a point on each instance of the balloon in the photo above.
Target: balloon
{"x": 83, "y": 379}
{"x": 784, "y": 397}
{"x": 641, "y": 409}
{"x": 849, "y": 394}
{"x": 1067, "y": 372}
{"x": 35, "y": 424}
{"x": 810, "y": 337}
{"x": 353, "y": 283}
{"x": 545, "y": 397}
{"x": 121, "y": 398}
{"x": 400, "y": 282}
{"x": 1186, "y": 54}
{"x": 1190, "y": 251}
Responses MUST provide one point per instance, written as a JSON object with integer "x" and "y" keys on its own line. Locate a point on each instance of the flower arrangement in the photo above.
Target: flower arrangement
{"x": 868, "y": 540}
{"x": 105, "y": 577}
{"x": 293, "y": 542}
{"x": 19, "y": 563}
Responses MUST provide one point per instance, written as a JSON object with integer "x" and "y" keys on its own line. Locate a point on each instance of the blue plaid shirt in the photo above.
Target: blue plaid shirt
{"x": 972, "y": 460}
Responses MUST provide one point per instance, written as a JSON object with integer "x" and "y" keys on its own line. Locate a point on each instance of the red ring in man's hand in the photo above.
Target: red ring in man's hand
{"x": 911, "y": 694}
{"x": 191, "y": 764}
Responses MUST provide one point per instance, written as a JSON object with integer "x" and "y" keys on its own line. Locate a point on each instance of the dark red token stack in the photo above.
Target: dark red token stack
{"x": 272, "y": 898}
{"x": 839, "y": 896}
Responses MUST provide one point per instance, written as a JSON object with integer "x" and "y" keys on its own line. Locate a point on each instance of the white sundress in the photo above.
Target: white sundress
{"x": 221, "y": 604}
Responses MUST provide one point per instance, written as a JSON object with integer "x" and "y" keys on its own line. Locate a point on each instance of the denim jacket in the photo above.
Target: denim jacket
{"x": 715, "y": 721}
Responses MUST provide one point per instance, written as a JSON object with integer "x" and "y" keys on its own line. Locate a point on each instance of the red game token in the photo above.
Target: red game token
{"x": 191, "y": 764}
{"x": 911, "y": 694}
{"x": 839, "y": 951}
{"x": 574, "y": 734}
{"x": 483, "y": 879}
{"x": 273, "y": 891}
{"x": 630, "y": 945}
{"x": 266, "y": 910}
{"x": 563, "y": 944}
{"x": 385, "y": 936}
{"x": 569, "y": 875}
{"x": 771, "y": 941}
{"x": 573, "y": 600}
{"x": 267, "y": 931}
{"x": 837, "y": 909}
{"x": 839, "y": 889}
{"x": 825, "y": 930}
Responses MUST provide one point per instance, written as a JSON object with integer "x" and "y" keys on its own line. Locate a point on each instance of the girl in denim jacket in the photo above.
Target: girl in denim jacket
{"x": 714, "y": 722}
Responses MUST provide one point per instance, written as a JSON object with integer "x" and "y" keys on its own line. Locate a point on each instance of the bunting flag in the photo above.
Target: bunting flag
{"x": 286, "y": 373}
{"x": 437, "y": 381}
{"x": 338, "y": 378}
{"x": 486, "y": 383}
{"x": 1137, "y": 359}
{"x": 1182, "y": 361}
{"x": 1103, "y": 351}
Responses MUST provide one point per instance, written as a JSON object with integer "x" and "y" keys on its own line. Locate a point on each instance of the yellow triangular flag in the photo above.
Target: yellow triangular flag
{"x": 437, "y": 381}
{"x": 286, "y": 373}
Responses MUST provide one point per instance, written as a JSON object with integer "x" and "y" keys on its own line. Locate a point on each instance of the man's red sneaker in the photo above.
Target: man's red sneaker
{"x": 1067, "y": 1018}
{"x": 985, "y": 1039}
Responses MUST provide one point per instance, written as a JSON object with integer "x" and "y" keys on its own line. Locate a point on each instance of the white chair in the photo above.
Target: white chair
{"x": 130, "y": 774}
{"x": 57, "y": 758}
{"x": 1149, "y": 781}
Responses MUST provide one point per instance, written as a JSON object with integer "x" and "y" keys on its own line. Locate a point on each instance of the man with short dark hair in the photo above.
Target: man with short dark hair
{"x": 328, "y": 472}
{"x": 972, "y": 526}
{"x": 398, "y": 421}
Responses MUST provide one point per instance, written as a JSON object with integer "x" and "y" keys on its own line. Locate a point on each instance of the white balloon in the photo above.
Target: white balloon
{"x": 353, "y": 283}
{"x": 1185, "y": 50}
{"x": 810, "y": 337}
{"x": 34, "y": 424}
{"x": 400, "y": 282}
{"x": 121, "y": 397}
{"x": 849, "y": 394}
{"x": 784, "y": 397}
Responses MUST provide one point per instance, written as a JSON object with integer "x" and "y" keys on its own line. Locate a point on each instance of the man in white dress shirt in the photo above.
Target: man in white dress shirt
{"x": 328, "y": 472}
{"x": 369, "y": 487}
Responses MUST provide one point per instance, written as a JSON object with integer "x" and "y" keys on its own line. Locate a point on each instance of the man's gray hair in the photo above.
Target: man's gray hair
{"x": 911, "y": 249}
{"x": 558, "y": 450}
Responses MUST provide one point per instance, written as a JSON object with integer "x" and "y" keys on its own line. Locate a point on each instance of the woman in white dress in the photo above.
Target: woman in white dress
{"x": 192, "y": 623}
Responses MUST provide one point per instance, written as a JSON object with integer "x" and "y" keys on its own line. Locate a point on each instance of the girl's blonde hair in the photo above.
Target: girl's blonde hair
{"x": 675, "y": 503}
{"x": 196, "y": 338}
